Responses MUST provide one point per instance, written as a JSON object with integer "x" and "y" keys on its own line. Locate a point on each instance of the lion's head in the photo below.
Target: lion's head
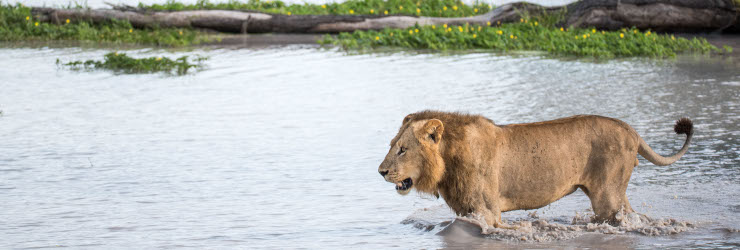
{"x": 414, "y": 159}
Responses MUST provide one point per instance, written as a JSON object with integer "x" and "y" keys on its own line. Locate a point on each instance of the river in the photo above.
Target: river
{"x": 278, "y": 147}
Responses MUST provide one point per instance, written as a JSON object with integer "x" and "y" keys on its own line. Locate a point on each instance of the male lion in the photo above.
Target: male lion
{"x": 480, "y": 167}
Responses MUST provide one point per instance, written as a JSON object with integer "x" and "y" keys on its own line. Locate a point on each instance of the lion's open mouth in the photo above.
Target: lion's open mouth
{"x": 404, "y": 185}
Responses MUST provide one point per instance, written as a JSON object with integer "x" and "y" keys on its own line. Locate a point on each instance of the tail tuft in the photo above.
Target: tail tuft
{"x": 684, "y": 126}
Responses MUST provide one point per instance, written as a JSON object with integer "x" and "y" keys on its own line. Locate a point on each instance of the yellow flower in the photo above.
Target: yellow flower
{"x": 159, "y": 59}
{"x": 479, "y": 28}
{"x": 511, "y": 36}
{"x": 584, "y": 36}
{"x": 454, "y": 7}
{"x": 445, "y": 25}
{"x": 602, "y": 32}
{"x": 351, "y": 11}
{"x": 391, "y": 34}
{"x": 323, "y": 6}
{"x": 411, "y": 32}
{"x": 593, "y": 31}
{"x": 536, "y": 23}
{"x": 400, "y": 7}
{"x": 372, "y": 11}
{"x": 289, "y": 13}
{"x": 521, "y": 20}
{"x": 416, "y": 30}
{"x": 28, "y": 18}
{"x": 444, "y": 8}
{"x": 561, "y": 28}
{"x": 377, "y": 38}
{"x": 385, "y": 12}
{"x": 434, "y": 27}
{"x": 181, "y": 32}
{"x": 418, "y": 10}
{"x": 635, "y": 31}
{"x": 130, "y": 30}
{"x": 475, "y": 10}
{"x": 36, "y": 24}
{"x": 460, "y": 28}
{"x": 621, "y": 35}
{"x": 576, "y": 37}
{"x": 474, "y": 35}
{"x": 648, "y": 33}
{"x": 500, "y": 32}
{"x": 67, "y": 21}
{"x": 673, "y": 37}
{"x": 488, "y": 23}
{"x": 449, "y": 29}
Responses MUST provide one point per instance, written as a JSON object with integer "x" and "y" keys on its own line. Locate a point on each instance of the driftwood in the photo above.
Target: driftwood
{"x": 659, "y": 15}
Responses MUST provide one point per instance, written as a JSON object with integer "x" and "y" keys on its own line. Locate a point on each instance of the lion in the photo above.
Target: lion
{"x": 481, "y": 168}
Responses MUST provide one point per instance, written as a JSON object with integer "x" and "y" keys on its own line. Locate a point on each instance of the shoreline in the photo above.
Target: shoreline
{"x": 283, "y": 39}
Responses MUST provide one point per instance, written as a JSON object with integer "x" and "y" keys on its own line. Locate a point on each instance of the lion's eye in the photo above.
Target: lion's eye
{"x": 401, "y": 150}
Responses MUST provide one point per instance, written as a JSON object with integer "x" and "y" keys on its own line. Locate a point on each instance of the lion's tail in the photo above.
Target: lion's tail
{"x": 683, "y": 126}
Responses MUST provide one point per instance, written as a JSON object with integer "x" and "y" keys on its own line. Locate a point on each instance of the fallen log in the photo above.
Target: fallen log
{"x": 658, "y": 15}
{"x": 257, "y": 22}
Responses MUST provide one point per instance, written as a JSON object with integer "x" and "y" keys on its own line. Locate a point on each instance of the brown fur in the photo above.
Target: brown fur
{"x": 479, "y": 167}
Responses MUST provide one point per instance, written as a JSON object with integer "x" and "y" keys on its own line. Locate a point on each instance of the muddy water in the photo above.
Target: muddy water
{"x": 279, "y": 147}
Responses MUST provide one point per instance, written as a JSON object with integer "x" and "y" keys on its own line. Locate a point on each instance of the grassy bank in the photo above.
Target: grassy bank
{"x": 527, "y": 35}
{"x": 434, "y": 8}
{"x": 537, "y": 33}
{"x": 17, "y": 24}
{"x": 122, "y": 63}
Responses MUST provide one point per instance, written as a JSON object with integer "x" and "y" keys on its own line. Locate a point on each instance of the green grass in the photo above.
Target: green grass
{"x": 527, "y": 35}
{"x": 434, "y": 8}
{"x": 17, "y": 24}
{"x": 122, "y": 63}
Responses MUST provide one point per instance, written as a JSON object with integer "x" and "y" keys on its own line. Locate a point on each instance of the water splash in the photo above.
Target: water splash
{"x": 536, "y": 229}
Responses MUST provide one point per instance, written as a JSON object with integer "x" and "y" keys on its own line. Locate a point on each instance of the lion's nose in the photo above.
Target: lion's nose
{"x": 383, "y": 173}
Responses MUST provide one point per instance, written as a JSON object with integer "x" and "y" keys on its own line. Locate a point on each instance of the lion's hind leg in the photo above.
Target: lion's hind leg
{"x": 604, "y": 204}
{"x": 607, "y": 190}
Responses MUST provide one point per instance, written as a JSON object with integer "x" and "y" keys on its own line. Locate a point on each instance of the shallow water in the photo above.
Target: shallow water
{"x": 279, "y": 147}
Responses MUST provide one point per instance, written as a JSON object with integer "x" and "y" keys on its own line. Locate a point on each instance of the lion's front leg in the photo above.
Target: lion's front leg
{"x": 493, "y": 218}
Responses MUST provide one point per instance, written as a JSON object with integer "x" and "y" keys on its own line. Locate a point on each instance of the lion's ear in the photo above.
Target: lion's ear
{"x": 407, "y": 119}
{"x": 432, "y": 130}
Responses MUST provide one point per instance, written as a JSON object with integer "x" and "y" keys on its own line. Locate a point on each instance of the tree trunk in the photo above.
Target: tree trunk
{"x": 659, "y": 15}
